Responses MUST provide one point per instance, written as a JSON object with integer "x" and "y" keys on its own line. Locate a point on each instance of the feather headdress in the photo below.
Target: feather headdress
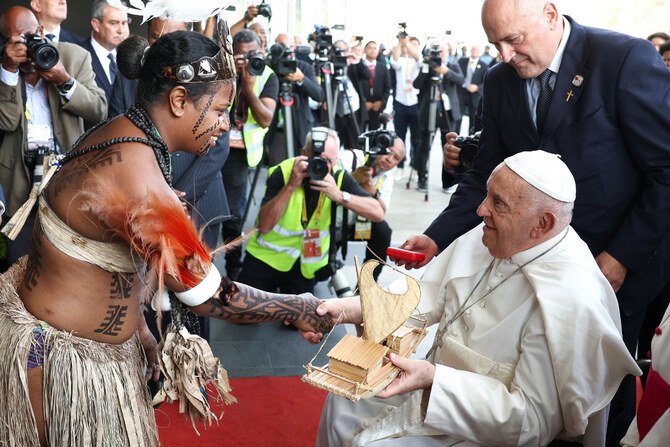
{"x": 178, "y": 10}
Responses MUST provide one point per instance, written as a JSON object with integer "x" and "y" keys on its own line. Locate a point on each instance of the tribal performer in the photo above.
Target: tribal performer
{"x": 112, "y": 236}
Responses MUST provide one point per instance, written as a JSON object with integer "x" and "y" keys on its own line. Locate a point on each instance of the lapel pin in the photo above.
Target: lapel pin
{"x": 569, "y": 95}
{"x": 577, "y": 80}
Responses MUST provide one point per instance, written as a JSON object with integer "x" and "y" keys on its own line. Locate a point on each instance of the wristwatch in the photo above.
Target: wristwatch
{"x": 66, "y": 86}
{"x": 345, "y": 197}
{"x": 376, "y": 194}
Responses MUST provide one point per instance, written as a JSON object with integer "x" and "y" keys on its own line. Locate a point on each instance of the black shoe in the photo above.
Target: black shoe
{"x": 422, "y": 186}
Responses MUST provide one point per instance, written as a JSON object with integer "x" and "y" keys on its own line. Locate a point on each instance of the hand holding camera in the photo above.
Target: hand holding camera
{"x": 460, "y": 151}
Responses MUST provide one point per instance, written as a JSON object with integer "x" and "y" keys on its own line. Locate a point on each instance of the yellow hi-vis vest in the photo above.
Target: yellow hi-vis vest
{"x": 282, "y": 246}
{"x": 252, "y": 132}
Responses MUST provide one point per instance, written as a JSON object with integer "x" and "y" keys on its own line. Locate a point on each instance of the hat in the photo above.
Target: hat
{"x": 546, "y": 172}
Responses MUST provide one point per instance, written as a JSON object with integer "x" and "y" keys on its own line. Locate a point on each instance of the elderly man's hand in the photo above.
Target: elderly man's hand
{"x": 340, "y": 310}
{"x": 299, "y": 171}
{"x": 327, "y": 186}
{"x": 415, "y": 375}
{"x": 419, "y": 243}
{"x": 57, "y": 74}
{"x": 15, "y": 53}
{"x": 452, "y": 154}
{"x": 614, "y": 271}
{"x": 363, "y": 175}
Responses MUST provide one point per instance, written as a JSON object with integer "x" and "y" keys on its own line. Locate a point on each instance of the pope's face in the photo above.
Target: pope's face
{"x": 508, "y": 215}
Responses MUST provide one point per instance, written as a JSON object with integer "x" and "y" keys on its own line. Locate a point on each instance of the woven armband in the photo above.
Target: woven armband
{"x": 203, "y": 291}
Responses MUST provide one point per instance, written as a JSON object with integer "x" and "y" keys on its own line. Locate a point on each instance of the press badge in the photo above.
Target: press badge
{"x": 311, "y": 243}
{"x": 362, "y": 229}
{"x": 236, "y": 139}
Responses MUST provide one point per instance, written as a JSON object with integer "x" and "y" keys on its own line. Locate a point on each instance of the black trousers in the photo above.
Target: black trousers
{"x": 258, "y": 274}
{"x": 405, "y": 117}
{"x": 380, "y": 240}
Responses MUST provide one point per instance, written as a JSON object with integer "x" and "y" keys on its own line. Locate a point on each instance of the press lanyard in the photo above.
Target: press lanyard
{"x": 319, "y": 208}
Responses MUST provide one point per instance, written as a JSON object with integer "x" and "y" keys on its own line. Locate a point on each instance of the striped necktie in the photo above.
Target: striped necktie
{"x": 112, "y": 68}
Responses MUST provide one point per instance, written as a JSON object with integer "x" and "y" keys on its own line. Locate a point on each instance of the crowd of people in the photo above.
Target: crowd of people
{"x": 126, "y": 164}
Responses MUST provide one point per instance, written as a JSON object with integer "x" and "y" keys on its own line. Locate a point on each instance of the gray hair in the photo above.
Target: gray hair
{"x": 98, "y": 9}
{"x": 331, "y": 133}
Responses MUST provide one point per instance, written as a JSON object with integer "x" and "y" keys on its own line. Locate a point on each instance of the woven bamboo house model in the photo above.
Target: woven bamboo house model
{"x": 358, "y": 367}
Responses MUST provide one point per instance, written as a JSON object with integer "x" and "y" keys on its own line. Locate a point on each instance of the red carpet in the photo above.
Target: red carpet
{"x": 271, "y": 411}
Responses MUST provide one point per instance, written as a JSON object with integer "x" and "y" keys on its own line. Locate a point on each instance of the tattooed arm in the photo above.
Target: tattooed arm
{"x": 249, "y": 305}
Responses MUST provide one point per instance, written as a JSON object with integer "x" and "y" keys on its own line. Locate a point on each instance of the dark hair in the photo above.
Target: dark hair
{"x": 137, "y": 60}
{"x": 660, "y": 34}
{"x": 664, "y": 47}
{"x": 245, "y": 36}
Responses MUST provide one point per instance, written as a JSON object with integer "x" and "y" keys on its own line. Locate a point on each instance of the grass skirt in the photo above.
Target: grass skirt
{"x": 94, "y": 393}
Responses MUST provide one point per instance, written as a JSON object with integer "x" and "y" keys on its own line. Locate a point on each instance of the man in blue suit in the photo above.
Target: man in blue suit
{"x": 110, "y": 28}
{"x": 50, "y": 14}
{"x": 606, "y": 111}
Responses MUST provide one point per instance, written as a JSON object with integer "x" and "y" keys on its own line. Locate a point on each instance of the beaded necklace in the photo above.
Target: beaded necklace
{"x": 140, "y": 118}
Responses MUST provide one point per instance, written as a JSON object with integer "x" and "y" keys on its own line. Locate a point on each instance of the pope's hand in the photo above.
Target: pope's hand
{"x": 415, "y": 375}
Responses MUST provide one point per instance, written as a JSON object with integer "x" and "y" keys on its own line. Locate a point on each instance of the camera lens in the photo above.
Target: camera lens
{"x": 256, "y": 65}
{"x": 46, "y": 56}
{"x": 317, "y": 168}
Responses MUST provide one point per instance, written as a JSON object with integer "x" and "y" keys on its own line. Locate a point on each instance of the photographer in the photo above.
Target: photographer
{"x": 295, "y": 216}
{"x": 46, "y": 91}
{"x": 251, "y": 113}
{"x": 302, "y": 85}
{"x": 372, "y": 169}
{"x": 245, "y": 22}
{"x": 435, "y": 69}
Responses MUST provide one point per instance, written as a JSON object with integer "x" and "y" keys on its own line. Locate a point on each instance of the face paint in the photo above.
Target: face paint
{"x": 202, "y": 114}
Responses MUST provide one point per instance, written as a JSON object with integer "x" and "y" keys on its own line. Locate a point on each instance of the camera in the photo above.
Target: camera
{"x": 281, "y": 60}
{"x": 432, "y": 56}
{"x": 42, "y": 52}
{"x": 264, "y": 10}
{"x": 323, "y": 42}
{"x": 317, "y": 166}
{"x": 469, "y": 146}
{"x": 255, "y": 63}
{"x": 403, "y": 33}
{"x": 34, "y": 156}
{"x": 376, "y": 143}
{"x": 339, "y": 59}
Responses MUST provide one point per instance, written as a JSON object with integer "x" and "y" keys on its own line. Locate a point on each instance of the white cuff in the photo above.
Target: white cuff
{"x": 203, "y": 291}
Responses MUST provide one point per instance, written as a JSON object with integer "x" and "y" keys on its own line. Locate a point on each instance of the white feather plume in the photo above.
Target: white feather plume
{"x": 178, "y": 10}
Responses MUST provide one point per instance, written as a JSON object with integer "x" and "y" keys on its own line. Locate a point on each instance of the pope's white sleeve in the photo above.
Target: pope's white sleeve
{"x": 481, "y": 409}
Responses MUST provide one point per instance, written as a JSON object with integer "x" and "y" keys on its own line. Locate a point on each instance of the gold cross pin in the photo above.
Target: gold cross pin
{"x": 569, "y": 95}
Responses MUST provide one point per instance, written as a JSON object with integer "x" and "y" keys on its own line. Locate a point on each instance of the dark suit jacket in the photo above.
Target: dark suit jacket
{"x": 100, "y": 76}
{"x": 88, "y": 102}
{"x": 381, "y": 87}
{"x": 123, "y": 95}
{"x": 613, "y": 132}
{"x": 467, "y": 98}
{"x": 451, "y": 82}
{"x": 423, "y": 83}
{"x": 69, "y": 36}
{"x": 200, "y": 178}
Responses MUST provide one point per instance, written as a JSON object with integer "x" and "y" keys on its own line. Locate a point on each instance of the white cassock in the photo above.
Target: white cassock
{"x": 659, "y": 433}
{"x": 540, "y": 356}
